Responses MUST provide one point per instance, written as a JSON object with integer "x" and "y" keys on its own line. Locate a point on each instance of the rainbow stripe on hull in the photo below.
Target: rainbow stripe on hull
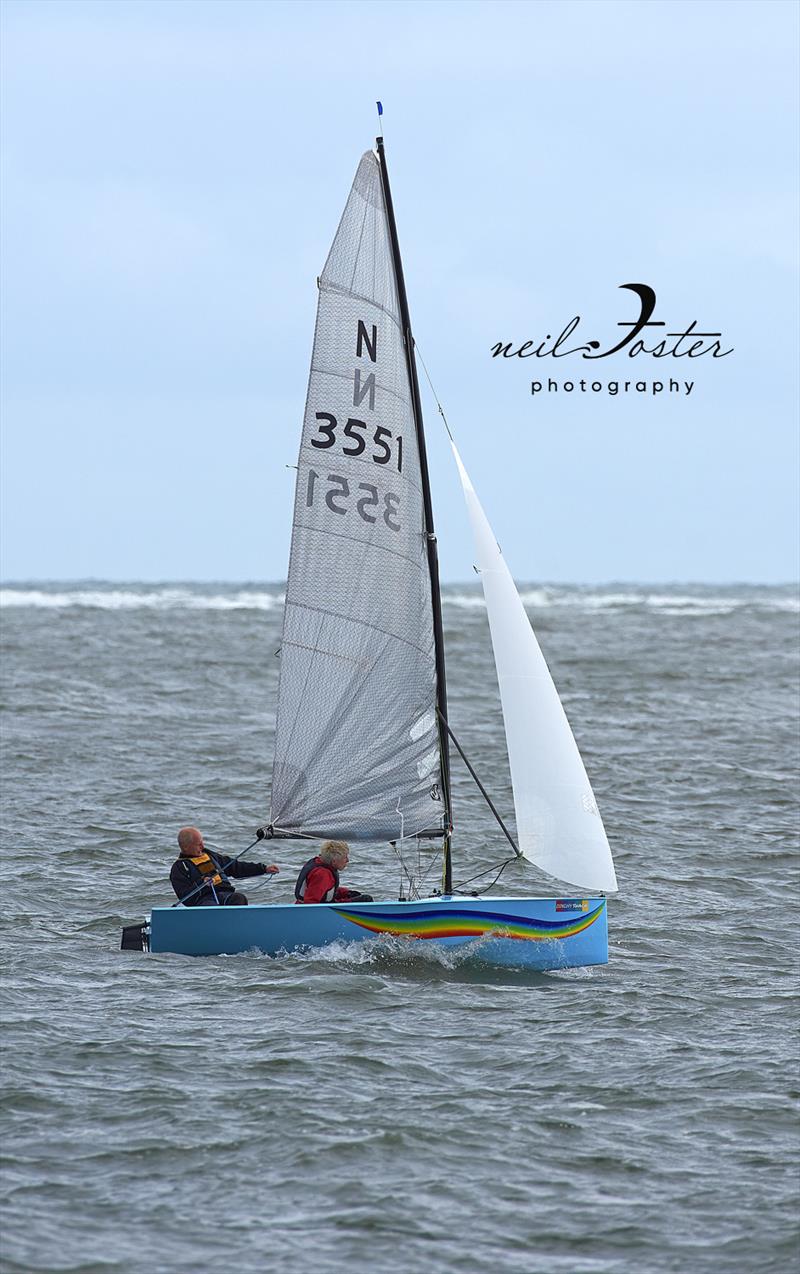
{"x": 528, "y": 933}
{"x": 451, "y": 922}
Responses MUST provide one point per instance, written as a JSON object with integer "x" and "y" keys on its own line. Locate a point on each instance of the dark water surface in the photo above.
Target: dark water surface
{"x": 370, "y": 1106}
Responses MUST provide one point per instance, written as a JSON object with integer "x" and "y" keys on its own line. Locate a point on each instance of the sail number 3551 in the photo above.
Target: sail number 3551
{"x": 369, "y": 507}
{"x": 357, "y": 440}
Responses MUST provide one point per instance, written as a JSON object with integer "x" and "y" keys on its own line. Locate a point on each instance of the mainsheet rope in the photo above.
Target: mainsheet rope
{"x": 459, "y": 888}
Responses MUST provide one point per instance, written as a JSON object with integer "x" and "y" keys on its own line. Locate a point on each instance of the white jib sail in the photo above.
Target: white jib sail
{"x": 558, "y": 823}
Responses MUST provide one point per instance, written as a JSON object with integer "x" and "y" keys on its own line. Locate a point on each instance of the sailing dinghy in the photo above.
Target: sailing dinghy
{"x": 362, "y": 732}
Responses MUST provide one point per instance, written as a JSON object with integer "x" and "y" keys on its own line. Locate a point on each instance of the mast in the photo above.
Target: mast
{"x": 430, "y": 536}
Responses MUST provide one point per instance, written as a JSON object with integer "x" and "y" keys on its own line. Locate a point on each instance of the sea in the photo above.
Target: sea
{"x": 382, "y": 1106}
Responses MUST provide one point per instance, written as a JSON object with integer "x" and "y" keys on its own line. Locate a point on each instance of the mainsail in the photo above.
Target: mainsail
{"x": 558, "y": 823}
{"x": 357, "y": 748}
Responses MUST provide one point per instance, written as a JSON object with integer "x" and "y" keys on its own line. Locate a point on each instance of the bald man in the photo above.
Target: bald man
{"x": 196, "y": 867}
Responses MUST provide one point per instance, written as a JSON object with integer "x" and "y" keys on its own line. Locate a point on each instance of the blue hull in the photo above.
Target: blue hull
{"x": 529, "y": 933}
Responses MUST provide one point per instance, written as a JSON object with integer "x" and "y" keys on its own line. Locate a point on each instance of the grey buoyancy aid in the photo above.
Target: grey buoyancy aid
{"x": 300, "y": 887}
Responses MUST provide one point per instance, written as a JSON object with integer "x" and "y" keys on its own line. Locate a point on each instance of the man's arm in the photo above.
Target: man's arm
{"x": 180, "y": 877}
{"x": 240, "y": 869}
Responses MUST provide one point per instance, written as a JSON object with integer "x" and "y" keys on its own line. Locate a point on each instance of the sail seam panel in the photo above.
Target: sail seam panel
{"x": 327, "y": 286}
{"x": 351, "y": 619}
{"x": 317, "y": 650}
{"x": 353, "y": 539}
{"x": 348, "y": 376}
{"x": 358, "y": 249}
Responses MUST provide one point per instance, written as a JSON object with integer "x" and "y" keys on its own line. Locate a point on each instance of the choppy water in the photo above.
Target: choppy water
{"x": 368, "y": 1107}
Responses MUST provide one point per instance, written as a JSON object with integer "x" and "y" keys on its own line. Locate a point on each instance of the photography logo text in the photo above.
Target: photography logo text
{"x": 639, "y": 340}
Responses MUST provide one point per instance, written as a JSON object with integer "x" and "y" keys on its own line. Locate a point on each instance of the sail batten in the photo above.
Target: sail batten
{"x": 559, "y": 827}
{"x": 356, "y": 724}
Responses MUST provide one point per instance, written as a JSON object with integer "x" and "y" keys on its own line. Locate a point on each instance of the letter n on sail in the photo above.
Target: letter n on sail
{"x": 363, "y": 338}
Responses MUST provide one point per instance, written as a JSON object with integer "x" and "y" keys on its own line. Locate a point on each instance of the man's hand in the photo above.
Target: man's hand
{"x": 271, "y": 870}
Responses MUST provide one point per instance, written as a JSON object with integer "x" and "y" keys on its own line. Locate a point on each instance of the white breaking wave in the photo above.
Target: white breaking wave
{"x": 666, "y": 603}
{"x": 542, "y": 598}
{"x": 465, "y": 601}
{"x": 129, "y": 599}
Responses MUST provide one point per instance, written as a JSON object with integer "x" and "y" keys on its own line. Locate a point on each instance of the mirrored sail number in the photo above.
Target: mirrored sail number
{"x": 339, "y": 499}
{"x": 356, "y": 433}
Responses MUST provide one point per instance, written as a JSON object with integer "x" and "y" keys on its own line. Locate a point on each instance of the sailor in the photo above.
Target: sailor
{"x": 319, "y": 877}
{"x": 196, "y": 867}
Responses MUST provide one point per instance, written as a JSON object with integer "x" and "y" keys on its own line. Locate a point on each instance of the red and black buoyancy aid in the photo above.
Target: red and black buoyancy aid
{"x": 300, "y": 887}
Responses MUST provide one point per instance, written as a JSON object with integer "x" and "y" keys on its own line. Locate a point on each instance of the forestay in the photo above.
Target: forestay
{"x": 357, "y": 743}
{"x": 558, "y": 823}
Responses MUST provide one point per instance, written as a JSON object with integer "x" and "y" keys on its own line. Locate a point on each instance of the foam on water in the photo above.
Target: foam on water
{"x": 128, "y": 599}
{"x": 233, "y": 597}
{"x": 386, "y": 950}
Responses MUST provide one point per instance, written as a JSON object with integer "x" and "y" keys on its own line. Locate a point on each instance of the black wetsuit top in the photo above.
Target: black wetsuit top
{"x": 184, "y": 877}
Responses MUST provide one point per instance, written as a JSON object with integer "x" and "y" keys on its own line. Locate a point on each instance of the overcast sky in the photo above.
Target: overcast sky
{"x": 173, "y": 174}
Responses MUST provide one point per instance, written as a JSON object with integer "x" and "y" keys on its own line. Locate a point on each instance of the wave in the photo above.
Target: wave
{"x": 667, "y": 603}
{"x": 389, "y": 954}
{"x": 131, "y": 599}
{"x": 176, "y": 597}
